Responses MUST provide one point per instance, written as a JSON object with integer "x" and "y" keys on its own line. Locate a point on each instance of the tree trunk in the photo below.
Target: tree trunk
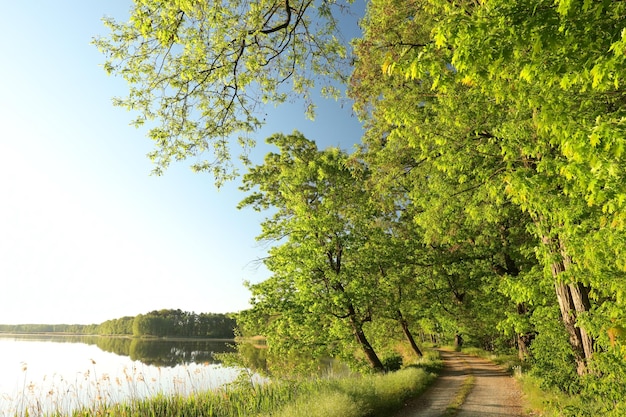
{"x": 355, "y": 322}
{"x": 573, "y": 299}
{"x": 368, "y": 350}
{"x": 522, "y": 347}
{"x": 580, "y": 296}
{"x": 458, "y": 342}
{"x": 408, "y": 335}
{"x": 580, "y": 299}
{"x": 523, "y": 340}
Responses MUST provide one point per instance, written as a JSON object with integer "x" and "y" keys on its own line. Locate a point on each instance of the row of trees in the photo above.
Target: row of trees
{"x": 355, "y": 266}
{"x": 161, "y": 323}
{"x": 509, "y": 116}
{"x": 177, "y": 323}
{"x": 488, "y": 197}
{"x": 47, "y": 328}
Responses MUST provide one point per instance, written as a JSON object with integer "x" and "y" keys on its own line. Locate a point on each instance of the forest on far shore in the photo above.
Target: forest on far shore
{"x": 161, "y": 323}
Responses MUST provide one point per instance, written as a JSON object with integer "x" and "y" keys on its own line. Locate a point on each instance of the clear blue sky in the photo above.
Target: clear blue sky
{"x": 86, "y": 234}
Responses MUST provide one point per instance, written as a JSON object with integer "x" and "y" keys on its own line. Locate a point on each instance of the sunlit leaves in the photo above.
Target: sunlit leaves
{"x": 320, "y": 227}
{"x": 198, "y": 72}
{"x": 519, "y": 101}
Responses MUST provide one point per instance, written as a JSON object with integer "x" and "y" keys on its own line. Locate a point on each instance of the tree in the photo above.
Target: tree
{"x": 178, "y": 323}
{"x": 390, "y": 254}
{"x": 321, "y": 221}
{"x": 203, "y": 69}
{"x": 433, "y": 161}
{"x": 534, "y": 90}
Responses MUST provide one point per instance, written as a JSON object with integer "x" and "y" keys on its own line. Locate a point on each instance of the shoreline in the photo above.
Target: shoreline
{"x": 120, "y": 336}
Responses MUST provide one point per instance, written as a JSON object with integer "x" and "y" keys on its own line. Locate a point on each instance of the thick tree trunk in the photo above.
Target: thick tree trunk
{"x": 573, "y": 299}
{"x": 355, "y": 322}
{"x": 407, "y": 333}
{"x": 580, "y": 299}
{"x": 522, "y": 347}
{"x": 568, "y": 315}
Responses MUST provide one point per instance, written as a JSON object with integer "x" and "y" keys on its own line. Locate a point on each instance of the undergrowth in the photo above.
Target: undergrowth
{"x": 355, "y": 396}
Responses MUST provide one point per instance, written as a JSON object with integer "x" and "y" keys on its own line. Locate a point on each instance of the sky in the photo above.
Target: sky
{"x": 86, "y": 233}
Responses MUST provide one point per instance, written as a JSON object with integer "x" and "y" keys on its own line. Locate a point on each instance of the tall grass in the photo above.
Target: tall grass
{"x": 373, "y": 395}
{"x": 351, "y": 396}
{"x": 91, "y": 391}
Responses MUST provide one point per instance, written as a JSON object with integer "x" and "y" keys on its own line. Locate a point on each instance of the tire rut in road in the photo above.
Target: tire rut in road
{"x": 495, "y": 393}
{"x": 434, "y": 401}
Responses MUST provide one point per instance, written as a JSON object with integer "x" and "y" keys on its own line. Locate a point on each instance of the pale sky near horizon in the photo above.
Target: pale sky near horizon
{"x": 86, "y": 234}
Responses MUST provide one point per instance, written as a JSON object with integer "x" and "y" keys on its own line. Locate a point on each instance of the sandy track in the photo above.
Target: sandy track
{"x": 495, "y": 393}
{"x": 434, "y": 401}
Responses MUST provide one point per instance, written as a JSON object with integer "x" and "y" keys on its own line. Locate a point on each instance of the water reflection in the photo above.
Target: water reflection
{"x": 167, "y": 353}
{"x": 55, "y": 374}
{"x": 155, "y": 352}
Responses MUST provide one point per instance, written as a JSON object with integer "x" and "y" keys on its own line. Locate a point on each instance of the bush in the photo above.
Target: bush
{"x": 392, "y": 363}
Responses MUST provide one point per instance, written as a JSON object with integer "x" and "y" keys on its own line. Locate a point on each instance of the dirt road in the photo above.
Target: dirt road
{"x": 494, "y": 394}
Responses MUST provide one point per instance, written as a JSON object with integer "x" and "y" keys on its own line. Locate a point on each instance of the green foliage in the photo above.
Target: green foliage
{"x": 123, "y": 325}
{"x": 49, "y": 328}
{"x": 552, "y": 354}
{"x": 177, "y": 323}
{"x": 514, "y": 126}
{"x": 488, "y": 197}
{"x": 202, "y": 70}
{"x": 323, "y": 288}
{"x": 166, "y": 322}
{"x": 392, "y": 362}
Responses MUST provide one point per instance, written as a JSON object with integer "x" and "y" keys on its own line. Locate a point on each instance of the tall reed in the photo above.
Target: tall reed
{"x": 356, "y": 396}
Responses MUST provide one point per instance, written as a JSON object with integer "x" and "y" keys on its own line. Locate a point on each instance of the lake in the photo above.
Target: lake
{"x": 42, "y": 373}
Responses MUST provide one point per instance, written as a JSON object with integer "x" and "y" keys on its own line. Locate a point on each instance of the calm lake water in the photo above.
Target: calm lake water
{"x": 45, "y": 373}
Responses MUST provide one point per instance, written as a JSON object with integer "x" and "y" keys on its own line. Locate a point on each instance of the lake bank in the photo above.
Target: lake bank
{"x": 120, "y": 336}
{"x": 53, "y": 371}
{"x": 350, "y": 396}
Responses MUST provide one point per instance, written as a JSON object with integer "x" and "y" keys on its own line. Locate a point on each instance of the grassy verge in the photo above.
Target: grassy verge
{"x": 357, "y": 396}
{"x": 460, "y": 397}
{"x": 539, "y": 401}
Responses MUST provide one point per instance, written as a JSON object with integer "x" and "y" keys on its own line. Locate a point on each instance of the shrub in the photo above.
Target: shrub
{"x": 392, "y": 363}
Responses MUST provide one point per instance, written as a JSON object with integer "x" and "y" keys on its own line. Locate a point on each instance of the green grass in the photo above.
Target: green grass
{"x": 461, "y": 396}
{"x": 375, "y": 395}
{"x": 354, "y": 396}
{"x": 538, "y": 400}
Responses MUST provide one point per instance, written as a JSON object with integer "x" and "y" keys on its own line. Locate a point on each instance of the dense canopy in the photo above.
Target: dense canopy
{"x": 487, "y": 199}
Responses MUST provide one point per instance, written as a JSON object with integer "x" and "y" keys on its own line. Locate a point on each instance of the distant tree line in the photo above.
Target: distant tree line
{"x": 161, "y": 323}
{"x": 179, "y": 323}
{"x": 50, "y": 328}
